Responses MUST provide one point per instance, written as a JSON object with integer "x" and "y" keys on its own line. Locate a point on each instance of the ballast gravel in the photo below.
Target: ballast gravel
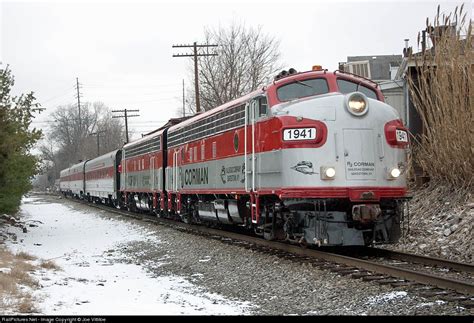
{"x": 273, "y": 285}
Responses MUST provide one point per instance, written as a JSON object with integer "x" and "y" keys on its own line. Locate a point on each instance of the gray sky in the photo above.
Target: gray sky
{"x": 122, "y": 55}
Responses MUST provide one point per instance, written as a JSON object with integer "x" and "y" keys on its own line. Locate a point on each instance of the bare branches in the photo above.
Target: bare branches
{"x": 246, "y": 57}
{"x": 69, "y": 140}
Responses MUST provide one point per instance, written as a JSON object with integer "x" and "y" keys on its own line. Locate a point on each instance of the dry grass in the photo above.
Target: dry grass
{"x": 25, "y": 256}
{"x": 20, "y": 273}
{"x": 6, "y": 257}
{"x": 17, "y": 269}
{"x": 49, "y": 265}
{"x": 27, "y": 305}
{"x": 7, "y": 284}
{"x": 443, "y": 95}
{"x": 11, "y": 299}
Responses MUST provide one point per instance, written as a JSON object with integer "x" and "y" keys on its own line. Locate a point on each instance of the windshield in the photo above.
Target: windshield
{"x": 349, "y": 87}
{"x": 301, "y": 89}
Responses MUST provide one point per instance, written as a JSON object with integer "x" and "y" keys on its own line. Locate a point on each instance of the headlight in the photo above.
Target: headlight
{"x": 395, "y": 173}
{"x": 328, "y": 172}
{"x": 357, "y": 104}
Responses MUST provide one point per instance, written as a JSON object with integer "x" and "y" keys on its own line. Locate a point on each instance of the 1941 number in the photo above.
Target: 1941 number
{"x": 299, "y": 134}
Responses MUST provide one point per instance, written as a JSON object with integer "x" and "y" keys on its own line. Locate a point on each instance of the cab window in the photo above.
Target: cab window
{"x": 302, "y": 88}
{"x": 349, "y": 87}
{"x": 262, "y": 107}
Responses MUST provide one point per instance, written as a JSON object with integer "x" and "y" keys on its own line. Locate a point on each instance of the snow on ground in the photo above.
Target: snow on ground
{"x": 385, "y": 298}
{"x": 91, "y": 282}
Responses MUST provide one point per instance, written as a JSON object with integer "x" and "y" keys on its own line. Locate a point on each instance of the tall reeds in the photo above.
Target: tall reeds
{"x": 442, "y": 92}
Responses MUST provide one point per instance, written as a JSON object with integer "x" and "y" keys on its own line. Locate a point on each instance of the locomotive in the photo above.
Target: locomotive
{"x": 315, "y": 158}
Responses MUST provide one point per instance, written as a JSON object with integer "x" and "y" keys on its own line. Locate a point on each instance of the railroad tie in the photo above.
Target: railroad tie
{"x": 388, "y": 281}
{"x": 373, "y": 277}
{"x": 433, "y": 293}
{"x": 468, "y": 304}
{"x": 348, "y": 272}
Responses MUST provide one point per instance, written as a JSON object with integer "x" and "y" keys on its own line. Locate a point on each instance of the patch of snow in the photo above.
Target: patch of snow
{"x": 437, "y": 302}
{"x": 205, "y": 259}
{"x": 91, "y": 282}
{"x": 385, "y": 298}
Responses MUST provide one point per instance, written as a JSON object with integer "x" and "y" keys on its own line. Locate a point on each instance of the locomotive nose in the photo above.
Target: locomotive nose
{"x": 359, "y": 154}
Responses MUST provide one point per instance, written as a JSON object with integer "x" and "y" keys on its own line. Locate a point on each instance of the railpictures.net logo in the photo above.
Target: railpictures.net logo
{"x": 52, "y": 319}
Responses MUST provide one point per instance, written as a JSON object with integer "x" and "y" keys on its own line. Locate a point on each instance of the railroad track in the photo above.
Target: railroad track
{"x": 423, "y": 260}
{"x": 426, "y": 284}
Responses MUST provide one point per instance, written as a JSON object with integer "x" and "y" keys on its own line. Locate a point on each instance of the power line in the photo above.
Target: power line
{"x": 134, "y": 91}
{"x": 134, "y": 85}
{"x": 126, "y": 116}
{"x": 195, "y": 54}
{"x": 58, "y": 96}
{"x": 149, "y": 121}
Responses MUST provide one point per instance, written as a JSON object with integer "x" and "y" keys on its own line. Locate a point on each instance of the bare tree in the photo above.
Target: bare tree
{"x": 246, "y": 58}
{"x": 68, "y": 140}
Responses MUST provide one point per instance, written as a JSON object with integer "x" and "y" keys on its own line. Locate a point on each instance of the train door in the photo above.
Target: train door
{"x": 153, "y": 181}
{"x": 124, "y": 175}
{"x": 152, "y": 173}
{"x": 118, "y": 170}
{"x": 250, "y": 158}
{"x": 175, "y": 171}
{"x": 257, "y": 110}
{"x": 249, "y": 147}
{"x": 173, "y": 196}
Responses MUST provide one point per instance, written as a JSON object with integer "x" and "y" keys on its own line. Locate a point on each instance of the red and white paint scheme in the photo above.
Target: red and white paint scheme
{"x": 315, "y": 157}
{"x": 101, "y": 177}
{"x": 71, "y": 181}
{"x": 318, "y": 140}
{"x": 142, "y": 173}
{"x": 63, "y": 181}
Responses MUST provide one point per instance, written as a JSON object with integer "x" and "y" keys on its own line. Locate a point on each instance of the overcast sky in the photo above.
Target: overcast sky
{"x": 122, "y": 55}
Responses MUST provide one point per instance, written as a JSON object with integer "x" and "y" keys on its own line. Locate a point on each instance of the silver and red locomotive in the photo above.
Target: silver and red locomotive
{"x": 315, "y": 157}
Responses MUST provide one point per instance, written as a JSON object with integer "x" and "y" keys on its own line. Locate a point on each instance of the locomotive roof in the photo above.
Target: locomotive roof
{"x": 144, "y": 138}
{"x": 337, "y": 73}
{"x": 276, "y": 83}
{"x": 229, "y": 104}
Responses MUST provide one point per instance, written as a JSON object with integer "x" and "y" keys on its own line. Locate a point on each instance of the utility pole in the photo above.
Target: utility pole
{"x": 126, "y": 116}
{"x": 195, "y": 54}
{"x": 97, "y": 133}
{"x": 79, "y": 105}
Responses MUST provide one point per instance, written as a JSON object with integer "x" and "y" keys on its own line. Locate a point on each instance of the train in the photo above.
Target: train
{"x": 315, "y": 158}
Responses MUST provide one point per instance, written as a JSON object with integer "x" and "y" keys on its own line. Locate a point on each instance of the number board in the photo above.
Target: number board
{"x": 402, "y": 135}
{"x": 299, "y": 134}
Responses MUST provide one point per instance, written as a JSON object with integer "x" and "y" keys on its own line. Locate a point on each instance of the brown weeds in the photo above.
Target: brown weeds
{"x": 442, "y": 93}
{"x": 16, "y": 272}
{"x": 27, "y": 306}
{"x": 49, "y": 265}
{"x": 25, "y": 256}
{"x": 20, "y": 274}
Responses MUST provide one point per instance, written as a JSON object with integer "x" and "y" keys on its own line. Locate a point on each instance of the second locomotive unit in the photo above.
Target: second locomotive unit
{"x": 315, "y": 157}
